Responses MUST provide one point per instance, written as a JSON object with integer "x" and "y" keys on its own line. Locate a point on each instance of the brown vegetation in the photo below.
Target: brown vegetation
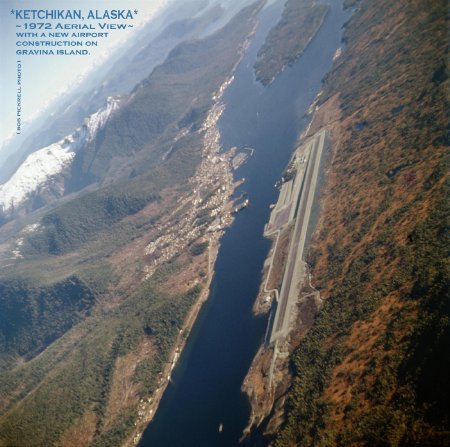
{"x": 81, "y": 433}
{"x": 371, "y": 371}
{"x": 124, "y": 392}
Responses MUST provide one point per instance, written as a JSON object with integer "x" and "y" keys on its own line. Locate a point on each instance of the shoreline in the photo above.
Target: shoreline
{"x": 211, "y": 149}
{"x": 151, "y": 404}
{"x": 183, "y": 336}
{"x": 269, "y": 368}
{"x": 147, "y": 407}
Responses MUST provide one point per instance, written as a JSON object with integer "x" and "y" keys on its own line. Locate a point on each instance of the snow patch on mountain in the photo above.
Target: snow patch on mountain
{"x": 41, "y": 166}
{"x": 98, "y": 119}
{"x": 33, "y": 172}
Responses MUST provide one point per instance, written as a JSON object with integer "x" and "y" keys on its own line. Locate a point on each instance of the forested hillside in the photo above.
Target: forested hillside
{"x": 286, "y": 41}
{"x": 374, "y": 368}
{"x": 91, "y": 317}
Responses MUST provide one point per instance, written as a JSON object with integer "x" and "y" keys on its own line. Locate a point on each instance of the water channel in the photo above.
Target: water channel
{"x": 205, "y": 388}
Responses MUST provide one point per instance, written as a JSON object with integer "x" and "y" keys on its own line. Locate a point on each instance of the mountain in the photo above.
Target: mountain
{"x": 110, "y": 230}
{"x": 40, "y": 175}
{"x": 97, "y": 288}
{"x": 117, "y": 76}
{"x": 366, "y": 362}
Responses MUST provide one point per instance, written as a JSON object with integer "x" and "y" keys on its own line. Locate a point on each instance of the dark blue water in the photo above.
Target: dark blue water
{"x": 206, "y": 382}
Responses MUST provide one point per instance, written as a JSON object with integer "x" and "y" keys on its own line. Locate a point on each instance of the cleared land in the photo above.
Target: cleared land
{"x": 296, "y": 200}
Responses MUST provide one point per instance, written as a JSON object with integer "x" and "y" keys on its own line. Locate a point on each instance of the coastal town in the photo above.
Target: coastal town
{"x": 206, "y": 209}
{"x": 201, "y": 214}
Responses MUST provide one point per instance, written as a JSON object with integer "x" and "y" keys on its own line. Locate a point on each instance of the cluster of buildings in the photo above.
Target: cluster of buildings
{"x": 205, "y": 208}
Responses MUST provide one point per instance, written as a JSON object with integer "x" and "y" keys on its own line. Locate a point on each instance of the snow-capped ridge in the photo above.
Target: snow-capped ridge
{"x": 43, "y": 165}
{"x": 98, "y": 119}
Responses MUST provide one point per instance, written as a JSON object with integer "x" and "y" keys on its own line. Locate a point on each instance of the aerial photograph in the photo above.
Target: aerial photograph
{"x": 224, "y": 223}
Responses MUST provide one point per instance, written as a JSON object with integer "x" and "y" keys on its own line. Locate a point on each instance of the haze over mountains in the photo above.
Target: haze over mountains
{"x": 78, "y": 275}
{"x": 113, "y": 209}
{"x": 117, "y": 75}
